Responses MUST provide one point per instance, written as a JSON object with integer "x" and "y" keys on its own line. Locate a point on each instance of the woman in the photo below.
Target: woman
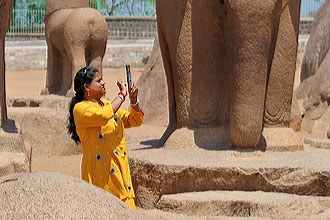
{"x": 99, "y": 125}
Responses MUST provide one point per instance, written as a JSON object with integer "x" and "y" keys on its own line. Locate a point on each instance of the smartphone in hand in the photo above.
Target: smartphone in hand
{"x": 128, "y": 77}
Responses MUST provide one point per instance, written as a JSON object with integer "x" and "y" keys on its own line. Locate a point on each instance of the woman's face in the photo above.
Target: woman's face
{"x": 97, "y": 87}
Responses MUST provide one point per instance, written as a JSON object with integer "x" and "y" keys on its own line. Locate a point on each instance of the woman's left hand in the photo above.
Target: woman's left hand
{"x": 133, "y": 92}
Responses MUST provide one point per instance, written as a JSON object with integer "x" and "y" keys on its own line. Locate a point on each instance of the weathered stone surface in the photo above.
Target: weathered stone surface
{"x": 153, "y": 90}
{"x": 76, "y": 36}
{"x": 281, "y": 140}
{"x": 45, "y": 130}
{"x": 219, "y": 74}
{"x": 314, "y": 89}
{"x": 315, "y": 92}
{"x": 317, "y": 142}
{"x": 167, "y": 215}
{"x": 296, "y": 114}
{"x": 318, "y": 43}
{"x": 207, "y": 138}
{"x": 157, "y": 171}
{"x": 44, "y": 195}
{"x": 50, "y": 101}
{"x": 14, "y": 158}
{"x": 43, "y": 121}
{"x": 317, "y": 126}
{"x": 247, "y": 204}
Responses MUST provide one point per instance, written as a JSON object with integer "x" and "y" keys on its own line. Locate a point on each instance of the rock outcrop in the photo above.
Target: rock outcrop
{"x": 45, "y": 195}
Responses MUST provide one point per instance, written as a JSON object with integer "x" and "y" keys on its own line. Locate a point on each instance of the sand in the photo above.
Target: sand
{"x": 26, "y": 83}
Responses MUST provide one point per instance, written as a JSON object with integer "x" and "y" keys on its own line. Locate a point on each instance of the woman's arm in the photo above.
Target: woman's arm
{"x": 116, "y": 103}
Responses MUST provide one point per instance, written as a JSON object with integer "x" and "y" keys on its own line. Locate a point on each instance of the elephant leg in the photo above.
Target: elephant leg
{"x": 6, "y": 124}
{"x": 96, "y": 63}
{"x": 283, "y": 65}
{"x": 2, "y": 83}
{"x": 67, "y": 80}
{"x": 76, "y": 55}
{"x": 172, "y": 125}
{"x": 277, "y": 134}
{"x": 250, "y": 37}
{"x": 95, "y": 57}
{"x": 54, "y": 70}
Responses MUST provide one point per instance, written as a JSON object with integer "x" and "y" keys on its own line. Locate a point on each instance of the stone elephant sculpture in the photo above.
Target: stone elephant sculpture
{"x": 229, "y": 66}
{"x": 76, "y": 36}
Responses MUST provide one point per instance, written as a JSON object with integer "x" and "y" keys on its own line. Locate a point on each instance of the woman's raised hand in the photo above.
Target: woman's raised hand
{"x": 121, "y": 86}
{"x": 133, "y": 92}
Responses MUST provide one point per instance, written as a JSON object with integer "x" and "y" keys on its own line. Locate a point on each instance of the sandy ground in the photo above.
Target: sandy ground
{"x": 25, "y": 83}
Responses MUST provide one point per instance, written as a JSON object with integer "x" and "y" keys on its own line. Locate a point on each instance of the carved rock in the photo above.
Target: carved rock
{"x": 153, "y": 90}
{"x": 318, "y": 43}
{"x": 229, "y": 64}
{"x": 76, "y": 36}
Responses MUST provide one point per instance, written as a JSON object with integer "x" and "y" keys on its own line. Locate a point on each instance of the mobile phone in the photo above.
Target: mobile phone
{"x": 128, "y": 76}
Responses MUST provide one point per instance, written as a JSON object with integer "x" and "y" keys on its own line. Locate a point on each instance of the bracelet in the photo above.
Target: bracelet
{"x": 137, "y": 102}
{"x": 121, "y": 97}
{"x": 122, "y": 94}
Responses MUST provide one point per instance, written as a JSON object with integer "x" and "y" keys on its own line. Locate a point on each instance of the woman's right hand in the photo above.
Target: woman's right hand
{"x": 121, "y": 86}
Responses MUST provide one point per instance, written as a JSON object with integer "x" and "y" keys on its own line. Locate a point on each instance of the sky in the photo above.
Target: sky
{"x": 309, "y": 7}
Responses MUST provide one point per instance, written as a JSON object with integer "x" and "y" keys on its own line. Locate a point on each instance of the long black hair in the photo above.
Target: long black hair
{"x": 84, "y": 75}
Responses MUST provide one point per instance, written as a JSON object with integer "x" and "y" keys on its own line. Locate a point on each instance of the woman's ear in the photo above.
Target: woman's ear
{"x": 86, "y": 87}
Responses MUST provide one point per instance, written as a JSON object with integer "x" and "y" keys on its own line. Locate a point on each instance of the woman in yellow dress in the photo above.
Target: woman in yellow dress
{"x": 99, "y": 125}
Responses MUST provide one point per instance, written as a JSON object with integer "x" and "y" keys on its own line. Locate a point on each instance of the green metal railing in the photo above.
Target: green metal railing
{"x": 31, "y": 21}
{"x": 125, "y": 7}
{"x": 26, "y": 21}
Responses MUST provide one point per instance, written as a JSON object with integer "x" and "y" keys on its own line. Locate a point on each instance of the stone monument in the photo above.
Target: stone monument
{"x": 318, "y": 43}
{"x": 314, "y": 89}
{"x": 230, "y": 68}
{"x": 13, "y": 155}
{"x": 76, "y": 36}
{"x": 6, "y": 14}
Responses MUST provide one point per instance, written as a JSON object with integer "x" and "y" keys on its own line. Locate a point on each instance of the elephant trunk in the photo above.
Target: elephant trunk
{"x": 250, "y": 36}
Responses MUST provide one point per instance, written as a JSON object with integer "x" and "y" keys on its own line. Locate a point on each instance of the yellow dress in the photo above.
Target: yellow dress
{"x": 104, "y": 162}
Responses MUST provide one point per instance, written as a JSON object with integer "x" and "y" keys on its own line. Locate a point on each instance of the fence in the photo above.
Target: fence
{"x": 125, "y": 7}
{"x": 26, "y": 21}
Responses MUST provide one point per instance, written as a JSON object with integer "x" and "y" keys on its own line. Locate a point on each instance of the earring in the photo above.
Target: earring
{"x": 88, "y": 93}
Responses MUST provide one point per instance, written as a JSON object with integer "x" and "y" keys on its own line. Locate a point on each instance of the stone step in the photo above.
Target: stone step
{"x": 14, "y": 157}
{"x": 156, "y": 214}
{"x": 157, "y": 171}
{"x": 246, "y": 204}
{"x": 316, "y": 142}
